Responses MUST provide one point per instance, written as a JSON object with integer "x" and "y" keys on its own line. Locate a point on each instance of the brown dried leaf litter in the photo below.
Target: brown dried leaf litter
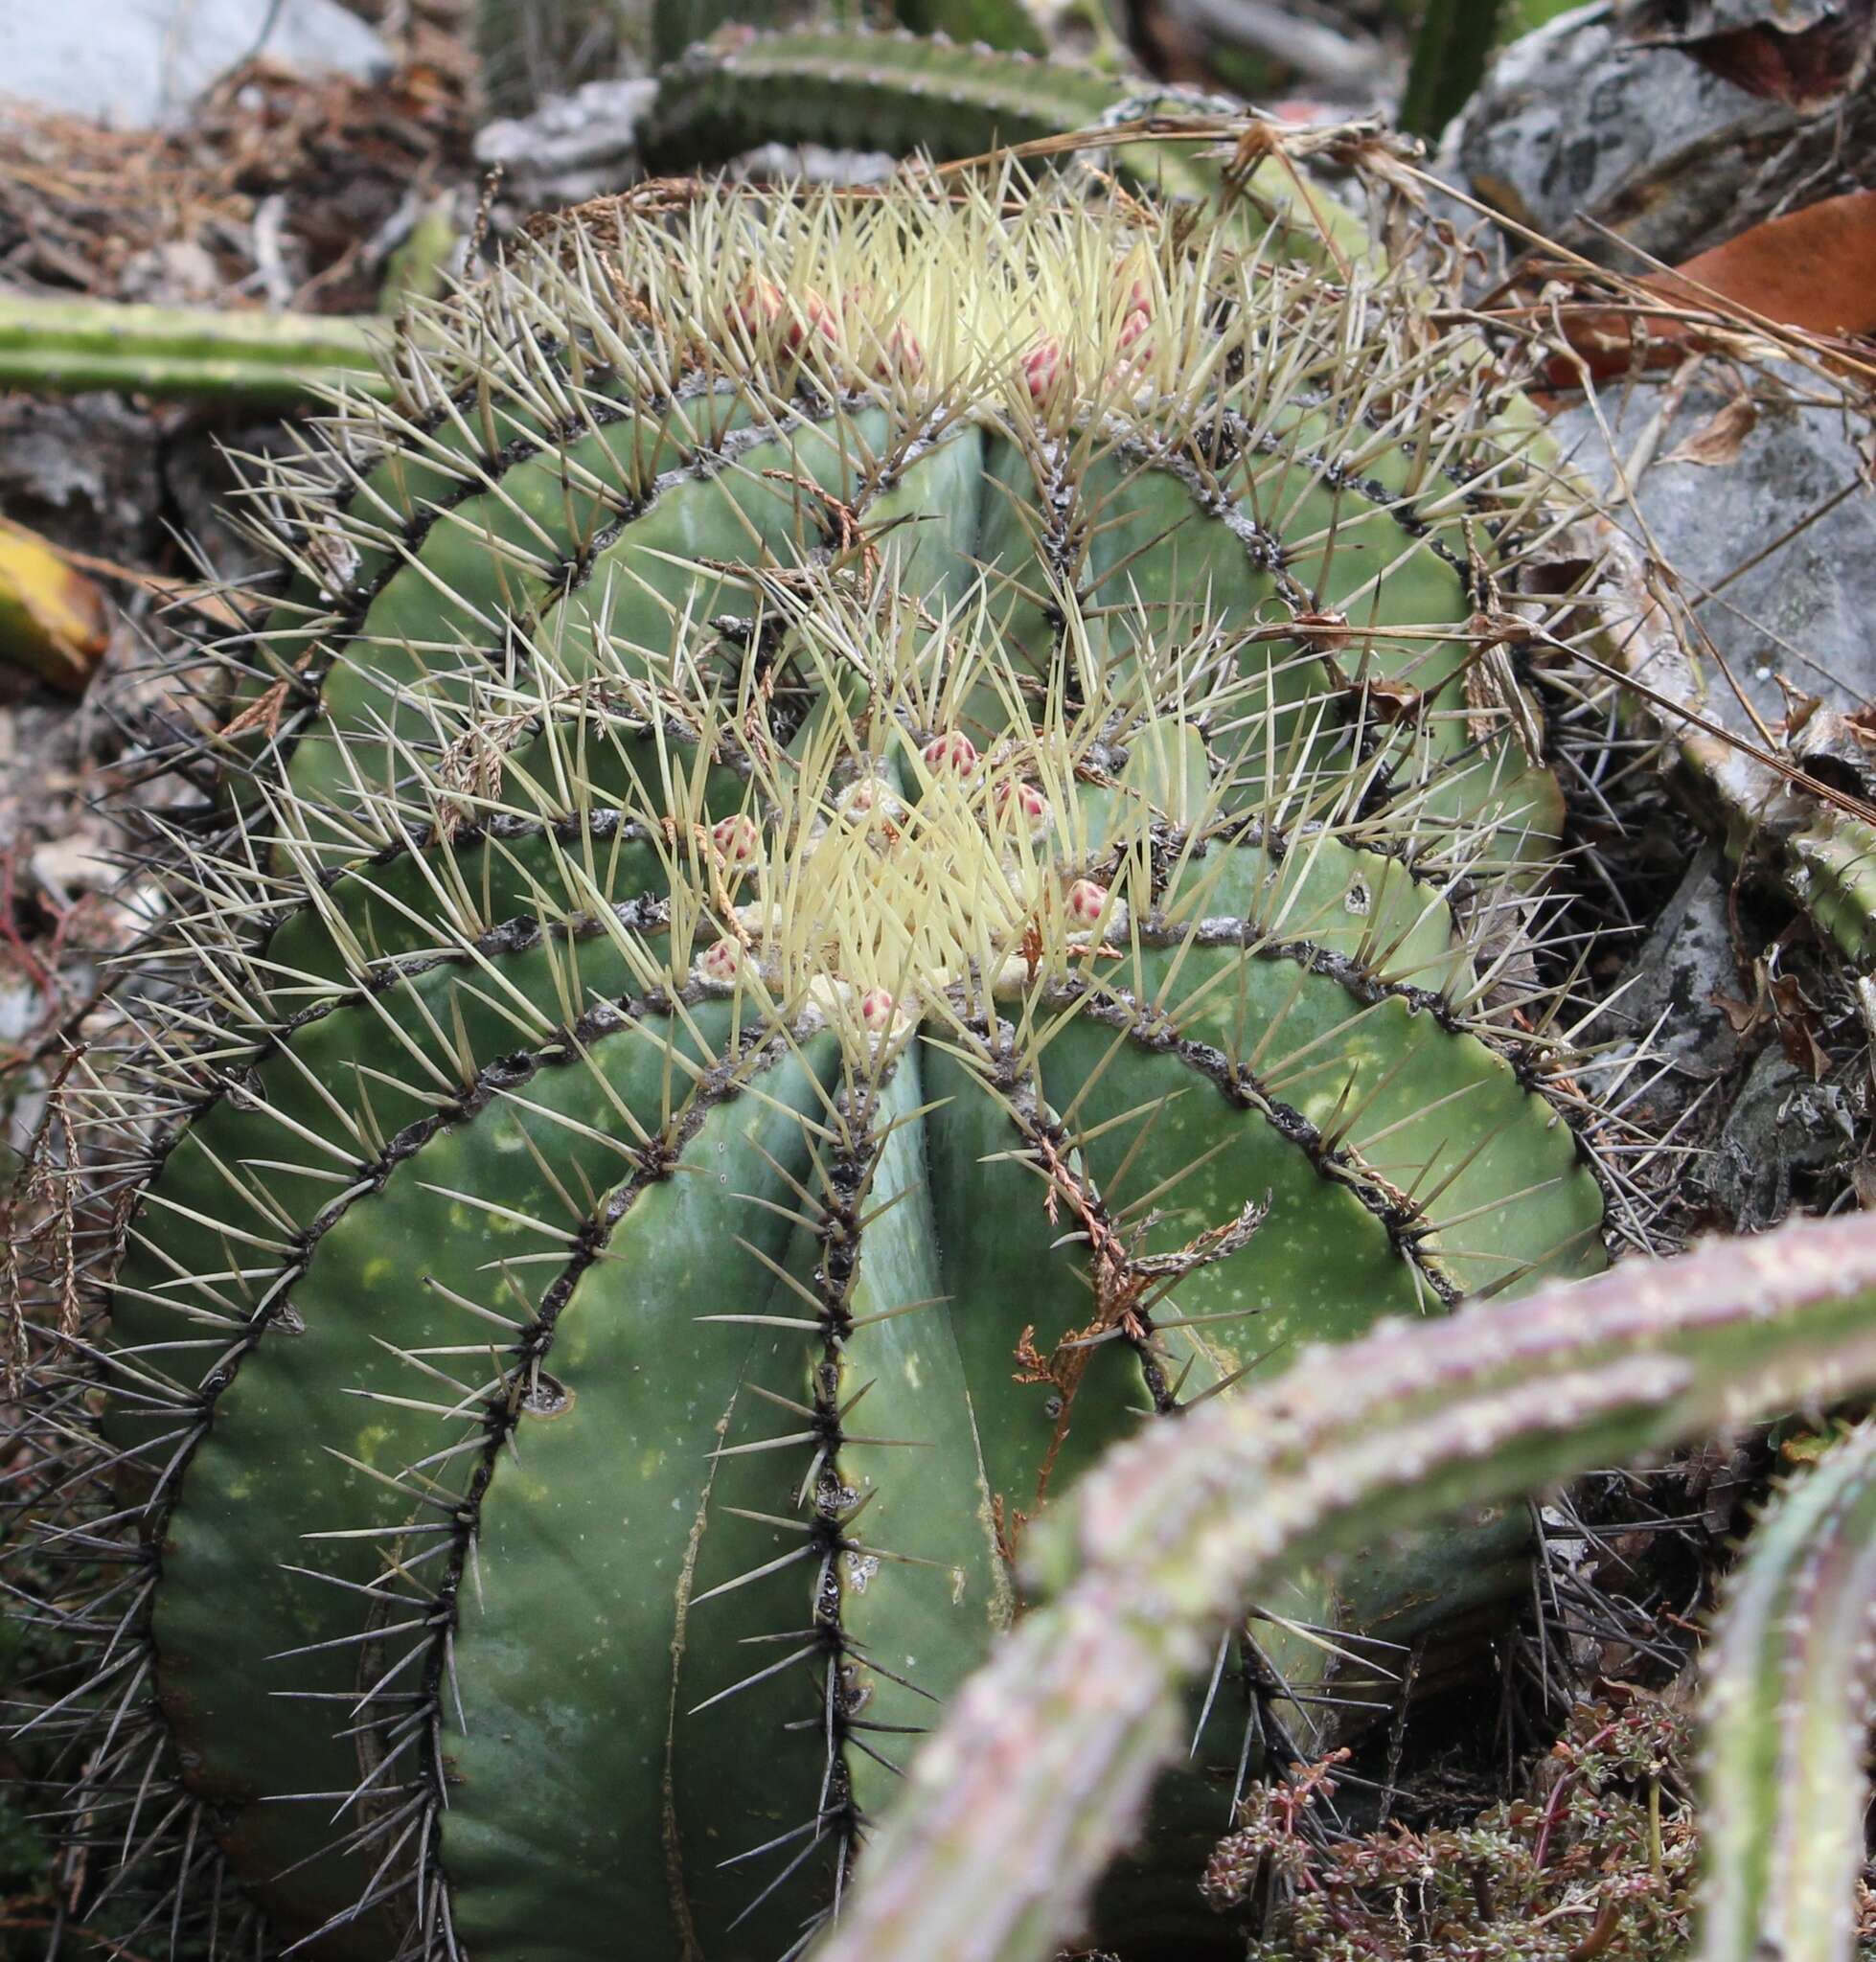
{"x": 280, "y": 191}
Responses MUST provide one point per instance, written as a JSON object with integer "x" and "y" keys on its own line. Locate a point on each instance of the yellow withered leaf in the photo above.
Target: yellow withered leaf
{"x": 53, "y": 620}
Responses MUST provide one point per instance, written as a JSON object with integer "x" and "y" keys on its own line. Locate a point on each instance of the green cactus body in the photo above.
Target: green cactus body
{"x": 855, "y": 875}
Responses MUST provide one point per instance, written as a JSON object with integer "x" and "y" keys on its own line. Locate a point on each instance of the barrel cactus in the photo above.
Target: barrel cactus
{"x": 864, "y": 842}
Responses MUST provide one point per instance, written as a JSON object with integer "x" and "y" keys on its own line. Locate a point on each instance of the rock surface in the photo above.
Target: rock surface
{"x": 1740, "y": 468}
{"x": 586, "y": 144}
{"x": 135, "y": 62}
{"x": 572, "y": 146}
{"x": 1587, "y": 120}
{"x": 1783, "y": 1128}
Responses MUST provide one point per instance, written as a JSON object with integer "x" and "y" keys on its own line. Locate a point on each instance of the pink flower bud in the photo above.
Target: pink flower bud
{"x": 902, "y": 354}
{"x": 762, "y": 309}
{"x": 719, "y": 961}
{"x": 759, "y": 306}
{"x": 815, "y": 317}
{"x": 954, "y": 750}
{"x": 1041, "y": 365}
{"x": 1030, "y": 801}
{"x": 876, "y": 1009}
{"x": 736, "y": 838}
{"x": 1086, "y": 902}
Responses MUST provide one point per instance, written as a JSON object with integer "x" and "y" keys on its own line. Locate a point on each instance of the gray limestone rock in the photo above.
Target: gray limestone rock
{"x": 1667, "y": 1001}
{"x": 1753, "y": 486}
{"x": 1595, "y": 118}
{"x": 572, "y": 146}
{"x": 136, "y": 62}
{"x": 1782, "y": 1127}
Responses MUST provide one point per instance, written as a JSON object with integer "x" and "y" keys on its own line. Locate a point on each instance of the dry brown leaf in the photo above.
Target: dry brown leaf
{"x": 212, "y": 603}
{"x": 1743, "y": 1018}
{"x": 1813, "y": 269}
{"x": 1797, "y": 1027}
{"x": 1779, "y": 1001}
{"x": 1799, "y": 52}
{"x": 53, "y": 620}
{"x": 1718, "y": 440}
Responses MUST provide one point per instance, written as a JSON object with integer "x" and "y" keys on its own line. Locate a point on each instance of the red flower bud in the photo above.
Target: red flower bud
{"x": 954, "y": 750}
{"x": 1086, "y": 902}
{"x": 737, "y": 839}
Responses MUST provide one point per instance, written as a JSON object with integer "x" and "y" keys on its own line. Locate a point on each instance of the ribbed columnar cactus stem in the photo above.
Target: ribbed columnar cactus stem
{"x": 1042, "y": 1767}
{"x": 951, "y": 99}
{"x": 1788, "y": 1692}
{"x": 869, "y": 91}
{"x": 865, "y": 843}
{"x": 262, "y": 361}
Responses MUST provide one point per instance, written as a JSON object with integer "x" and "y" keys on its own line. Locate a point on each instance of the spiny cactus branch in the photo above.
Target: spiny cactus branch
{"x": 266, "y": 361}
{"x": 1042, "y": 1768}
{"x": 894, "y": 92}
{"x": 1789, "y": 1686}
{"x": 908, "y": 93}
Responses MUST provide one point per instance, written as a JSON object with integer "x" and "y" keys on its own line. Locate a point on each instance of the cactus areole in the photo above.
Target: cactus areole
{"x": 863, "y": 844}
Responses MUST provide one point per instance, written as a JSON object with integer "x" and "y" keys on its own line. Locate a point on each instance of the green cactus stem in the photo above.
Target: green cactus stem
{"x": 895, "y": 92}
{"x": 867, "y": 842}
{"x": 264, "y": 359}
{"x": 1451, "y": 46}
{"x": 913, "y": 93}
{"x": 1040, "y": 1770}
{"x": 1788, "y": 1697}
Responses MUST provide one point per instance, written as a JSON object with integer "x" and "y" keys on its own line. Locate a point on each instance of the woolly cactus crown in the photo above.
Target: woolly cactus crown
{"x": 869, "y": 834}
